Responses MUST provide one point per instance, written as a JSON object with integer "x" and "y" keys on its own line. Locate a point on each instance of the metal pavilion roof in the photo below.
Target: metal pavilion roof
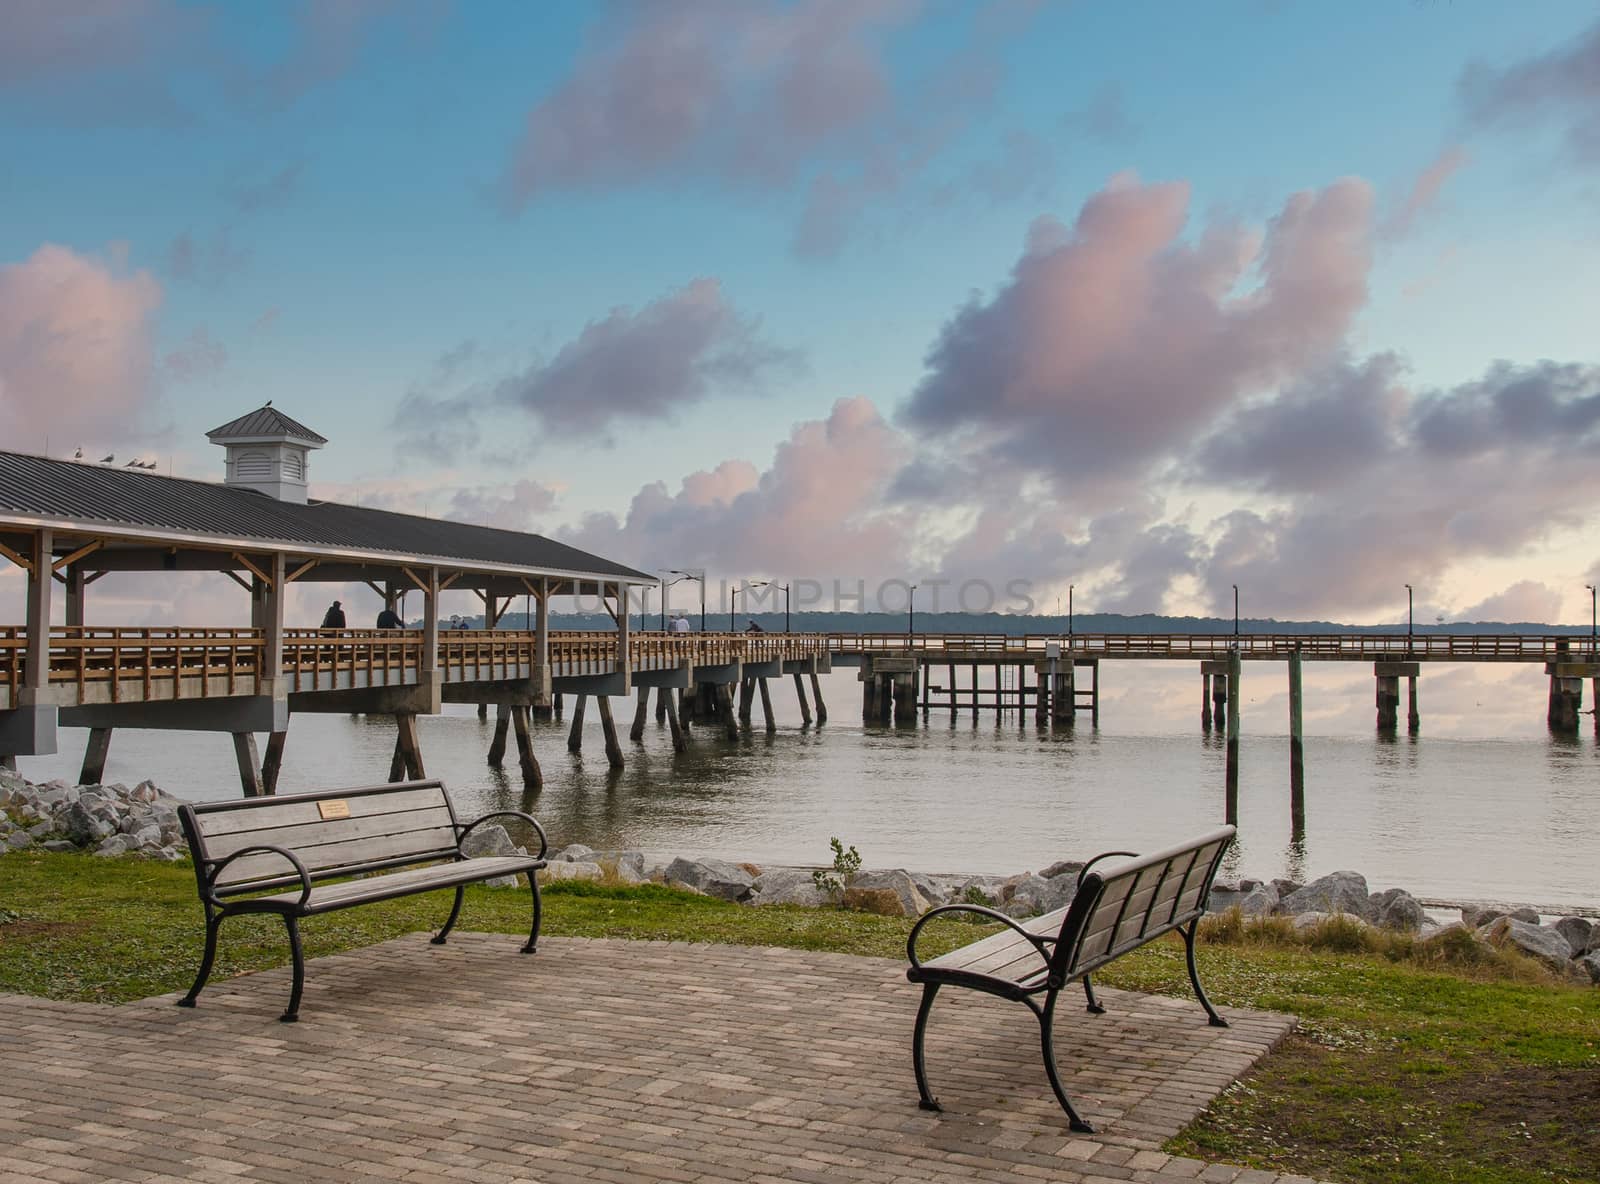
{"x": 36, "y": 490}
{"x": 264, "y": 423}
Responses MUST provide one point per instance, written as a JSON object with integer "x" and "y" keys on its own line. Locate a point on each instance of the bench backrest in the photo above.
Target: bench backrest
{"x": 337, "y": 832}
{"x": 1123, "y": 907}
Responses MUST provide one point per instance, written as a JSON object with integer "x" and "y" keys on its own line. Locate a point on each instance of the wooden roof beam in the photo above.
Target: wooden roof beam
{"x": 17, "y": 558}
{"x": 256, "y": 571}
{"x": 69, "y": 560}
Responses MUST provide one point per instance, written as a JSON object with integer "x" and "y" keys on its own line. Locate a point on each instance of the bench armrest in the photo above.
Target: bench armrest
{"x": 1084, "y": 870}
{"x": 263, "y": 849}
{"x": 1036, "y": 940}
{"x": 528, "y": 818}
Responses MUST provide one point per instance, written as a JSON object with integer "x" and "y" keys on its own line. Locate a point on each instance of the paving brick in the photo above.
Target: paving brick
{"x": 603, "y": 1061}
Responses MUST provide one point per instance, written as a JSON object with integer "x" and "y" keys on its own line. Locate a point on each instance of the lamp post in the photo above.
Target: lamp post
{"x": 732, "y": 628}
{"x": 700, "y": 578}
{"x": 784, "y": 588}
{"x": 1594, "y": 620}
{"x": 1410, "y": 619}
{"x": 911, "y": 613}
{"x": 1069, "y": 613}
{"x": 1236, "y": 615}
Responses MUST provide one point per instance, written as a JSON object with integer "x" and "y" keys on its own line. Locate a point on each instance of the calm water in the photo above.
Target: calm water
{"x": 1482, "y": 805}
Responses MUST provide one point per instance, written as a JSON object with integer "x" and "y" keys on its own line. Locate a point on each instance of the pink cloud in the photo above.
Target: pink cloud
{"x": 1423, "y": 197}
{"x": 75, "y": 345}
{"x": 1525, "y": 600}
{"x": 1562, "y": 84}
{"x": 202, "y": 356}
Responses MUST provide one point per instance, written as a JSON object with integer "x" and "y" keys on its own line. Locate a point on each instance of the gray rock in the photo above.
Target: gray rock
{"x": 40, "y": 830}
{"x": 1305, "y": 921}
{"x": 1527, "y": 915}
{"x": 19, "y": 840}
{"x": 1223, "y": 898}
{"x": 1036, "y": 895}
{"x": 1477, "y": 916}
{"x": 148, "y": 838}
{"x": 1063, "y": 867}
{"x": 1590, "y": 964}
{"x": 1287, "y": 887}
{"x": 1578, "y": 933}
{"x": 114, "y": 845}
{"x": 1536, "y": 941}
{"x": 788, "y": 885}
{"x": 986, "y": 887}
{"x": 1260, "y": 901}
{"x": 1594, "y": 941}
{"x": 1336, "y": 892}
{"x": 714, "y": 877}
{"x": 899, "y": 881}
{"x": 1397, "y": 909}
{"x": 59, "y": 846}
{"x": 487, "y": 842}
{"x": 169, "y": 855}
{"x": 628, "y": 867}
{"x": 572, "y": 870}
{"x": 932, "y": 890}
{"x": 574, "y": 853}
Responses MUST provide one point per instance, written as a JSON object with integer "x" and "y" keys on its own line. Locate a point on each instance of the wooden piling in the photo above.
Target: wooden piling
{"x": 1205, "y": 700}
{"x": 747, "y": 694}
{"x": 502, "y": 726}
{"x": 1413, "y": 716}
{"x": 575, "y": 736}
{"x": 923, "y": 672}
{"x": 1064, "y": 695}
{"x": 1232, "y": 807}
{"x": 766, "y": 707}
{"x": 974, "y": 694}
{"x": 559, "y": 705}
{"x": 1094, "y": 694}
{"x": 724, "y": 701}
{"x": 1297, "y": 753}
{"x": 800, "y": 693}
{"x": 410, "y": 745}
{"x": 273, "y": 762}
{"x": 609, "y": 727}
{"x": 483, "y": 711}
{"x": 663, "y": 701}
{"x": 954, "y": 709}
{"x": 664, "y": 705}
{"x": 532, "y": 775}
{"x": 94, "y": 757}
{"x": 244, "y": 751}
{"x": 816, "y": 695}
{"x": 640, "y": 714}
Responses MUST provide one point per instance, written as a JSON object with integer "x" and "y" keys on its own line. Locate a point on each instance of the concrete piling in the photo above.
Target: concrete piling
{"x": 816, "y": 696}
{"x": 532, "y": 774}
{"x": 94, "y": 757}
{"x": 766, "y": 707}
{"x": 608, "y": 726}
{"x": 502, "y": 727}
{"x": 1297, "y": 752}
{"x": 664, "y": 706}
{"x": 272, "y": 763}
{"x": 641, "y": 715}
{"x": 1232, "y": 805}
{"x": 1388, "y": 676}
{"x": 800, "y": 693}
{"x": 575, "y": 735}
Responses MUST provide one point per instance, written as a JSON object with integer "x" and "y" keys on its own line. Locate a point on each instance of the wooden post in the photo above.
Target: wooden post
{"x": 36, "y": 678}
{"x": 94, "y": 757}
{"x": 1413, "y": 716}
{"x": 955, "y": 710}
{"x": 575, "y": 736}
{"x": 483, "y": 711}
{"x": 532, "y": 775}
{"x": 244, "y": 751}
{"x": 766, "y": 707}
{"x": 800, "y": 693}
{"x": 75, "y": 596}
{"x": 1297, "y": 752}
{"x": 273, "y": 763}
{"x": 502, "y": 725}
{"x": 1041, "y": 698}
{"x": 430, "y": 625}
{"x": 922, "y": 672}
{"x": 685, "y": 707}
{"x": 609, "y": 727}
{"x": 624, "y": 637}
{"x": 724, "y": 699}
{"x": 1094, "y": 694}
{"x": 410, "y": 746}
{"x": 662, "y": 701}
{"x": 1234, "y": 664}
{"x": 816, "y": 695}
{"x": 999, "y": 699}
{"x": 640, "y": 715}
{"x": 747, "y": 694}
{"x": 541, "y": 628}
{"x": 1205, "y": 700}
{"x": 975, "y": 707}
{"x": 680, "y": 740}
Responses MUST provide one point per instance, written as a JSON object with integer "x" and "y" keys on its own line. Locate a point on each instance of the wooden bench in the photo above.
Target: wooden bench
{"x": 395, "y": 839}
{"x": 1113, "y": 913}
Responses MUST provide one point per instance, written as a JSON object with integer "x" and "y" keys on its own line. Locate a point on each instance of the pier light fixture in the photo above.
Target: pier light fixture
{"x": 1069, "y": 612}
{"x": 1236, "y": 614}
{"x": 1410, "y": 618}
{"x": 733, "y": 628}
{"x": 1594, "y": 620}
{"x": 700, "y": 578}
{"x": 911, "y": 613}
{"x": 784, "y": 588}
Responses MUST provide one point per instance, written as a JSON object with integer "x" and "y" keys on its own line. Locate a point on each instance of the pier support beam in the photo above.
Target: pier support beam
{"x": 502, "y": 727}
{"x": 244, "y": 751}
{"x": 1413, "y": 716}
{"x": 1566, "y": 693}
{"x": 1388, "y": 676}
{"x": 407, "y": 761}
{"x": 766, "y": 707}
{"x": 575, "y": 736}
{"x": 1232, "y": 806}
{"x": 816, "y": 697}
{"x": 273, "y": 762}
{"x": 724, "y": 700}
{"x": 94, "y": 757}
{"x": 747, "y": 694}
{"x": 1297, "y": 752}
{"x": 640, "y": 715}
{"x": 608, "y": 726}
{"x": 905, "y": 698}
{"x": 800, "y": 693}
{"x": 532, "y": 774}
{"x": 665, "y": 706}
{"x": 1205, "y": 699}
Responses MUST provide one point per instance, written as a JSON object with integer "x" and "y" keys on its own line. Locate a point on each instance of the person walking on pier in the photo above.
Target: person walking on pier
{"x": 334, "y": 617}
{"x": 389, "y": 619}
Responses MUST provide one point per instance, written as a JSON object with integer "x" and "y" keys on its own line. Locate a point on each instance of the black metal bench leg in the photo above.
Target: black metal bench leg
{"x": 1194, "y": 975}
{"x": 210, "y": 956}
{"x": 926, "y": 1099}
{"x": 1088, "y": 993}
{"x": 1047, "y": 1044}
{"x": 293, "y": 1014}
{"x": 538, "y": 913}
{"x": 450, "y": 922}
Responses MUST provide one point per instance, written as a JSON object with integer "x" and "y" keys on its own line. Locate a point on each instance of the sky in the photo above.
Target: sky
{"x": 1147, "y": 299}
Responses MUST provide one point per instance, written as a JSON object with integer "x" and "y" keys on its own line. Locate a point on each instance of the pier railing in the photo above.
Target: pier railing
{"x": 1353, "y": 647}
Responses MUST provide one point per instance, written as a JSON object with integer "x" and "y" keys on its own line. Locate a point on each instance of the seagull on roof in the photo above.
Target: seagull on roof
{"x": 108, "y": 458}
{"x": 78, "y": 455}
{"x": 149, "y": 464}
{"x": 133, "y": 464}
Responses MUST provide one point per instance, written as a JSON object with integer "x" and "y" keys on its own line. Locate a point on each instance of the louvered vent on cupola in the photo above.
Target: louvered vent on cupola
{"x": 266, "y": 452}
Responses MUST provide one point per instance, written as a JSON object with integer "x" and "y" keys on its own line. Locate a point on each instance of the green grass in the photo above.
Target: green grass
{"x": 1412, "y": 1065}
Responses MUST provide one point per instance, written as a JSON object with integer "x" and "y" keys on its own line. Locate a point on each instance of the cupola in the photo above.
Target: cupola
{"x": 266, "y": 452}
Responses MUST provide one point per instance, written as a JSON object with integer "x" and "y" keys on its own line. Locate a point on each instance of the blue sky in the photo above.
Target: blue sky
{"x": 319, "y": 203}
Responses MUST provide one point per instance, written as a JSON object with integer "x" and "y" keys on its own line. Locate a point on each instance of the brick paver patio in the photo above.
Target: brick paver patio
{"x": 602, "y": 1061}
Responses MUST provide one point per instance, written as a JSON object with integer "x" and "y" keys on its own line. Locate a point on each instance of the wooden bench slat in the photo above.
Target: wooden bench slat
{"x": 328, "y": 897}
{"x": 330, "y": 858}
{"x": 306, "y": 835}
{"x": 291, "y": 812}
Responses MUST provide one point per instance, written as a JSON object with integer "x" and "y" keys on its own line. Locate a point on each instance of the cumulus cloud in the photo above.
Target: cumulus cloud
{"x": 1526, "y": 600}
{"x": 75, "y": 343}
{"x": 1115, "y": 339}
{"x": 1562, "y": 84}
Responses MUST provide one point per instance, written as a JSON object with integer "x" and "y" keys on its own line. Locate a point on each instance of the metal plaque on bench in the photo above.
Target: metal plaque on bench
{"x": 333, "y": 809}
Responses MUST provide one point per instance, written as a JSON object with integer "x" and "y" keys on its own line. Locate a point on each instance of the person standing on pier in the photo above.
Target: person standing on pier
{"x": 334, "y": 617}
{"x": 389, "y": 619}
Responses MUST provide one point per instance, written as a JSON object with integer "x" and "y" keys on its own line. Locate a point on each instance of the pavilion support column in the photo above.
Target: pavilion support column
{"x": 541, "y": 626}
{"x": 641, "y": 714}
{"x": 94, "y": 757}
{"x": 502, "y": 727}
{"x": 766, "y": 706}
{"x": 800, "y": 693}
{"x": 609, "y": 728}
{"x": 1297, "y": 751}
{"x": 624, "y": 636}
{"x": 816, "y": 697}
{"x": 430, "y": 625}
{"x": 575, "y": 736}
{"x": 41, "y": 585}
{"x": 75, "y": 595}
{"x": 1232, "y": 806}
{"x": 532, "y": 774}
{"x": 273, "y": 762}
{"x": 244, "y": 751}
{"x": 664, "y": 705}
